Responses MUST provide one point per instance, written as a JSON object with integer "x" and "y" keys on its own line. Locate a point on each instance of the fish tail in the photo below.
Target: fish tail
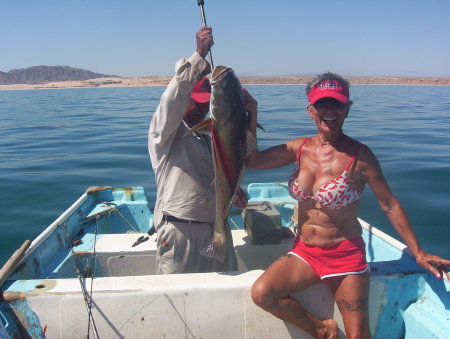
{"x": 216, "y": 249}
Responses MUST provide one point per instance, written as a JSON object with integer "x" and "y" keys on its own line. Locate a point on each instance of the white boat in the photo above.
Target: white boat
{"x": 83, "y": 277}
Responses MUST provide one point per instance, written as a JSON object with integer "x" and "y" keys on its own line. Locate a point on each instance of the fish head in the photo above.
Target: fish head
{"x": 226, "y": 93}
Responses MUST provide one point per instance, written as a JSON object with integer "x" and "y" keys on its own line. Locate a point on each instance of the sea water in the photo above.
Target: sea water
{"x": 56, "y": 143}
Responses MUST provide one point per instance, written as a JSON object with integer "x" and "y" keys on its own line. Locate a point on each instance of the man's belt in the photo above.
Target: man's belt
{"x": 171, "y": 218}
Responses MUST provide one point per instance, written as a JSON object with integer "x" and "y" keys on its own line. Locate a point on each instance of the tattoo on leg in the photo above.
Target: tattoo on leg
{"x": 353, "y": 305}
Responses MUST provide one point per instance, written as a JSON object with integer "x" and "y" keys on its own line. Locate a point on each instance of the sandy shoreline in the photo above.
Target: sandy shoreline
{"x": 263, "y": 80}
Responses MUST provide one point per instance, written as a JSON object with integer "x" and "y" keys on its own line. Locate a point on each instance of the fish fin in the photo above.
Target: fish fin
{"x": 216, "y": 249}
{"x": 202, "y": 127}
{"x": 259, "y": 126}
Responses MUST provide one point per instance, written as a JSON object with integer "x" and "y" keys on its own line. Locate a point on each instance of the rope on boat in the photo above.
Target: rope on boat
{"x": 125, "y": 219}
{"x": 88, "y": 301}
{"x": 109, "y": 211}
{"x": 91, "y": 300}
{"x": 113, "y": 208}
{"x": 88, "y": 296}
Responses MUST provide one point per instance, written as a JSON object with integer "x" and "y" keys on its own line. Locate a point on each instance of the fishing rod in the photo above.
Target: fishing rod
{"x": 201, "y": 3}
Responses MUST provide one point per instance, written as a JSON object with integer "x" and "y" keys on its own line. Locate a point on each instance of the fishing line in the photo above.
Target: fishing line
{"x": 91, "y": 299}
{"x": 86, "y": 297}
{"x": 201, "y": 3}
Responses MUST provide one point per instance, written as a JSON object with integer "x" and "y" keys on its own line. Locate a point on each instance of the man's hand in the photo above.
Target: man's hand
{"x": 204, "y": 40}
{"x": 240, "y": 198}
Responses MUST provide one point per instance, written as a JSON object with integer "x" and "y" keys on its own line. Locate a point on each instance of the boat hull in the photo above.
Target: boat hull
{"x": 43, "y": 297}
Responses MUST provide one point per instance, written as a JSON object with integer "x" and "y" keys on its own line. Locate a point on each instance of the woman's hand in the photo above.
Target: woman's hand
{"x": 251, "y": 106}
{"x": 434, "y": 264}
{"x": 240, "y": 198}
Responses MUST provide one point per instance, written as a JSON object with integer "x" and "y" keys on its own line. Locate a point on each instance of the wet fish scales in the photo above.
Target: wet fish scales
{"x": 229, "y": 144}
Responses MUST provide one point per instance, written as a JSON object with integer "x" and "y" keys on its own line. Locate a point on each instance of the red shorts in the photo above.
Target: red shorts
{"x": 347, "y": 257}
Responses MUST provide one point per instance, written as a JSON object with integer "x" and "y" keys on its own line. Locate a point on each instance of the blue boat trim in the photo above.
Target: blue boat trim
{"x": 414, "y": 304}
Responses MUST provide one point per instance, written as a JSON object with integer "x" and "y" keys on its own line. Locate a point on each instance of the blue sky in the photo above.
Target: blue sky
{"x": 291, "y": 37}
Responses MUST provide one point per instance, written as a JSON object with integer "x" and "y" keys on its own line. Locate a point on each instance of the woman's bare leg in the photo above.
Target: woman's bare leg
{"x": 273, "y": 288}
{"x": 352, "y": 298}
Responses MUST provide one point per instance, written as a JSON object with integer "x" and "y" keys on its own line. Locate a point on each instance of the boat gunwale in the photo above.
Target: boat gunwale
{"x": 386, "y": 237}
{"x": 49, "y": 230}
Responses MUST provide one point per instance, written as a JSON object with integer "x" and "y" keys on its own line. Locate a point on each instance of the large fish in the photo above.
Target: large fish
{"x": 228, "y": 126}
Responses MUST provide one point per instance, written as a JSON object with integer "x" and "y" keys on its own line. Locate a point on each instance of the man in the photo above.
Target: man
{"x": 185, "y": 205}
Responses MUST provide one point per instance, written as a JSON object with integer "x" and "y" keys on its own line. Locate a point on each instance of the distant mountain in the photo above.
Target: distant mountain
{"x": 42, "y": 74}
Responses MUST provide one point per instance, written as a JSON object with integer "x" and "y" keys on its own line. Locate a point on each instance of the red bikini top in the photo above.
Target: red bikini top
{"x": 335, "y": 194}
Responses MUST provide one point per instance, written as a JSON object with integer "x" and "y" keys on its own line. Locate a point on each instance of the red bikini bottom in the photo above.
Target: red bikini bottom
{"x": 347, "y": 257}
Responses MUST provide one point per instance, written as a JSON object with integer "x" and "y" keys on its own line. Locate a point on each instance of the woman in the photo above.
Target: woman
{"x": 332, "y": 170}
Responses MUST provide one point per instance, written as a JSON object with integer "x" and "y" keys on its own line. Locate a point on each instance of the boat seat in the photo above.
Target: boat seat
{"x": 117, "y": 257}
{"x": 257, "y": 257}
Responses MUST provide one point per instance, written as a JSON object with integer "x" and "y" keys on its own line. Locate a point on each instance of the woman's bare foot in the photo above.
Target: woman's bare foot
{"x": 328, "y": 330}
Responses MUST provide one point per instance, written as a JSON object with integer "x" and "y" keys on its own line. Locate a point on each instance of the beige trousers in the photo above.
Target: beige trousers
{"x": 179, "y": 245}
